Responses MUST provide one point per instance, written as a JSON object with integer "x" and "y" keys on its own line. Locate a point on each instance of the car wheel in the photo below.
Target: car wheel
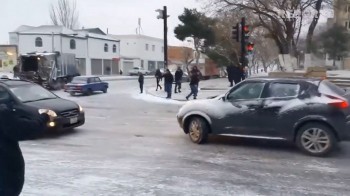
{"x": 72, "y": 93}
{"x": 104, "y": 90}
{"x": 316, "y": 139}
{"x": 198, "y": 130}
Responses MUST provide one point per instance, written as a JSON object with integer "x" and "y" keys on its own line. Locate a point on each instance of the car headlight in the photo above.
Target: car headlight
{"x": 48, "y": 112}
{"x": 80, "y": 109}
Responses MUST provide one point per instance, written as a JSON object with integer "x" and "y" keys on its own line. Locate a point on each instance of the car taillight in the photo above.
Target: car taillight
{"x": 338, "y": 103}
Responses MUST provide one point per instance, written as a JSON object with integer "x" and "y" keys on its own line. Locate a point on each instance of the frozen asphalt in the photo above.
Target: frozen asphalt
{"x": 131, "y": 144}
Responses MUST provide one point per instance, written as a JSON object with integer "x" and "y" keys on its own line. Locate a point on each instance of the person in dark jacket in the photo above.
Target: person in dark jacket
{"x": 195, "y": 75}
{"x": 158, "y": 76}
{"x": 237, "y": 74}
{"x": 141, "y": 81}
{"x": 168, "y": 80}
{"x": 229, "y": 70}
{"x": 16, "y": 71}
{"x": 178, "y": 79}
{"x": 15, "y": 125}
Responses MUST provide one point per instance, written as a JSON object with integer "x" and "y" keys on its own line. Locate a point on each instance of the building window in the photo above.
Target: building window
{"x": 106, "y": 47}
{"x": 153, "y": 47}
{"x": 162, "y": 49}
{"x": 72, "y": 44}
{"x": 114, "y": 48}
{"x": 38, "y": 42}
{"x": 147, "y": 47}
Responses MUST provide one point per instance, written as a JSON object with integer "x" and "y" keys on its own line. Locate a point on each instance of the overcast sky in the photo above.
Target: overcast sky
{"x": 119, "y": 16}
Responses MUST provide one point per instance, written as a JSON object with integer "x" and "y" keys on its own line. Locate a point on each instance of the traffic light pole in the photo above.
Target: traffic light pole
{"x": 165, "y": 14}
{"x": 243, "y": 44}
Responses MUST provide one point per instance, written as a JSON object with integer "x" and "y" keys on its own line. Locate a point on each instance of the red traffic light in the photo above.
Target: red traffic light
{"x": 246, "y": 29}
{"x": 250, "y": 47}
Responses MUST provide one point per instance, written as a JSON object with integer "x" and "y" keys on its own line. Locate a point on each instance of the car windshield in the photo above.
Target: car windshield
{"x": 79, "y": 80}
{"x": 32, "y": 92}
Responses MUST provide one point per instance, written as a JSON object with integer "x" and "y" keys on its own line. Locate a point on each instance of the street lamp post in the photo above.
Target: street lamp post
{"x": 163, "y": 14}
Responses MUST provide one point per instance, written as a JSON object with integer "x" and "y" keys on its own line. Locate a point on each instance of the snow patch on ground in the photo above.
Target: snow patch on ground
{"x": 151, "y": 98}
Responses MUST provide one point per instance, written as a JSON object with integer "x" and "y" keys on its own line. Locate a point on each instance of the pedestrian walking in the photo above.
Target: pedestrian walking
{"x": 15, "y": 125}
{"x": 158, "y": 76}
{"x": 168, "y": 80}
{"x": 195, "y": 75}
{"x": 141, "y": 81}
{"x": 178, "y": 79}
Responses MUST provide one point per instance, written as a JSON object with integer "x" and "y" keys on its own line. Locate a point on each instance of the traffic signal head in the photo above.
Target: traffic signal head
{"x": 235, "y": 32}
{"x": 250, "y": 47}
{"x": 161, "y": 14}
{"x": 245, "y": 32}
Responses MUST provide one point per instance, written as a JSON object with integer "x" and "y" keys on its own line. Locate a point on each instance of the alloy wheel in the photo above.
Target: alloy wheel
{"x": 315, "y": 140}
{"x": 195, "y": 130}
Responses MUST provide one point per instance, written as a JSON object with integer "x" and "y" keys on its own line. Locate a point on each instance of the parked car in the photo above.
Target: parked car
{"x": 86, "y": 85}
{"x": 312, "y": 113}
{"x": 135, "y": 71}
{"x": 34, "y": 99}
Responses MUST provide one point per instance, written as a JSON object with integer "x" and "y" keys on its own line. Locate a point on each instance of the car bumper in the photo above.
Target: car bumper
{"x": 63, "y": 123}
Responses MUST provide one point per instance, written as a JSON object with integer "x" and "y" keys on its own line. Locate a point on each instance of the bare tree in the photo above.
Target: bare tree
{"x": 65, "y": 13}
{"x": 273, "y": 14}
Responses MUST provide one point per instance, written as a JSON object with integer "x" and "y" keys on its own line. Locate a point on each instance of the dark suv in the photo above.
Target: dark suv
{"x": 33, "y": 98}
{"x": 313, "y": 113}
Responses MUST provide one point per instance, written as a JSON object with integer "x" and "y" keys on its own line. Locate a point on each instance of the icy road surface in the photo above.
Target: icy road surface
{"x": 131, "y": 144}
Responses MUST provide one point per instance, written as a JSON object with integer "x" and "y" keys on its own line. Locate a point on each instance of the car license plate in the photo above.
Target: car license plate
{"x": 73, "y": 120}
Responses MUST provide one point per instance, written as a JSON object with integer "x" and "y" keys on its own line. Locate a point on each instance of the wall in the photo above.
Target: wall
{"x": 80, "y": 50}
{"x": 27, "y": 43}
{"x": 96, "y": 49}
{"x": 134, "y": 46}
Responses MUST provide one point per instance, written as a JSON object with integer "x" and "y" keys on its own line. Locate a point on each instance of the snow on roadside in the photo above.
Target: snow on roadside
{"x": 154, "y": 99}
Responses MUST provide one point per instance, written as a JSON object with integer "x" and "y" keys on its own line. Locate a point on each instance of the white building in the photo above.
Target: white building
{"x": 96, "y": 52}
{"x": 140, "y": 51}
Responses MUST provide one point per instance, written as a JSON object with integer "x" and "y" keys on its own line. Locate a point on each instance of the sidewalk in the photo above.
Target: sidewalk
{"x": 207, "y": 88}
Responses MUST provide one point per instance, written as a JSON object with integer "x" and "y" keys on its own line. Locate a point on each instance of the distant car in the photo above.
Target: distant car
{"x": 34, "y": 99}
{"x": 312, "y": 113}
{"x": 86, "y": 85}
{"x": 135, "y": 71}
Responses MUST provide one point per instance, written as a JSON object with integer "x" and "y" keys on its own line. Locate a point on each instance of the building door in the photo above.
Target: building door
{"x": 151, "y": 66}
{"x": 81, "y": 64}
{"x": 115, "y": 67}
{"x": 107, "y": 67}
{"x": 96, "y": 67}
{"x": 127, "y": 65}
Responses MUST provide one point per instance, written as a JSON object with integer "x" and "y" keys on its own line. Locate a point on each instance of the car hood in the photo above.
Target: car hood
{"x": 57, "y": 105}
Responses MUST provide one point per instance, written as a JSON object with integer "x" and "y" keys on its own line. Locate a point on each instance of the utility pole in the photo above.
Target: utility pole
{"x": 163, "y": 14}
{"x": 243, "y": 44}
{"x": 165, "y": 37}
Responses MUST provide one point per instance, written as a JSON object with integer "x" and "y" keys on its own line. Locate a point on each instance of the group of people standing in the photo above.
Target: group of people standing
{"x": 236, "y": 74}
{"x": 169, "y": 79}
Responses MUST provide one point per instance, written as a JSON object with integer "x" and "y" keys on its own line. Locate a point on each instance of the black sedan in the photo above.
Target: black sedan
{"x": 34, "y": 99}
{"x": 312, "y": 113}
